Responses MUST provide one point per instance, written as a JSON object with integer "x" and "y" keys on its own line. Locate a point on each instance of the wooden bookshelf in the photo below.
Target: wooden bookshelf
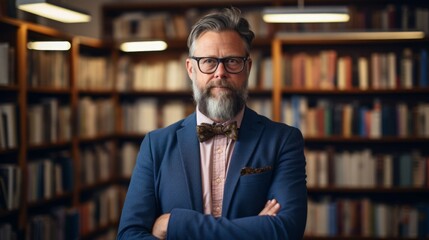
{"x": 57, "y": 148}
{"x": 332, "y": 196}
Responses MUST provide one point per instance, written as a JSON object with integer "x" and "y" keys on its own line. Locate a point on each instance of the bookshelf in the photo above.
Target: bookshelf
{"x": 365, "y": 131}
{"x": 58, "y": 168}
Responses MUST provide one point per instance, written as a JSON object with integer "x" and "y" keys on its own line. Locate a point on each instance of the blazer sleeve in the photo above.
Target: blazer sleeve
{"x": 140, "y": 208}
{"x": 288, "y": 188}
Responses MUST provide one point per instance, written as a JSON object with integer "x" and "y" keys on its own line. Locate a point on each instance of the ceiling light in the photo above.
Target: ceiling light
{"x": 301, "y": 14}
{"x": 52, "y": 10}
{"x": 306, "y": 15}
{"x": 143, "y": 46}
{"x": 350, "y": 36}
{"x": 49, "y": 45}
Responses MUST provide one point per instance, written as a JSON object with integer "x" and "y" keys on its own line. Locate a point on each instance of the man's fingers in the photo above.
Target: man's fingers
{"x": 271, "y": 208}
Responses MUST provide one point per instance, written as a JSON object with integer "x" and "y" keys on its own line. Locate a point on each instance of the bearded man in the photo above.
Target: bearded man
{"x": 224, "y": 172}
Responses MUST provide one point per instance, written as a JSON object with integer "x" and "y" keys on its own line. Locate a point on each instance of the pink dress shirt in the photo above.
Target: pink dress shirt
{"x": 215, "y": 157}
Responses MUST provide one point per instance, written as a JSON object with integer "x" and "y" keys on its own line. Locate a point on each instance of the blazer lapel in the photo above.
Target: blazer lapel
{"x": 187, "y": 140}
{"x": 243, "y": 150}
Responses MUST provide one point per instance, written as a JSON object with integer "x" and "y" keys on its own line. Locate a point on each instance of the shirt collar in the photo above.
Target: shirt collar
{"x": 201, "y": 118}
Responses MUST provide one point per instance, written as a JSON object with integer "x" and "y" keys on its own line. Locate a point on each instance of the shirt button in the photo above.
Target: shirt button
{"x": 218, "y": 180}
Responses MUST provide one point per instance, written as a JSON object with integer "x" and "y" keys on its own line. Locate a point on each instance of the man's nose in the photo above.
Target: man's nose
{"x": 220, "y": 71}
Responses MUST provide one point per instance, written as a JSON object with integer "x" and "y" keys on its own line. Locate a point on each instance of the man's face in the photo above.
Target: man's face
{"x": 219, "y": 95}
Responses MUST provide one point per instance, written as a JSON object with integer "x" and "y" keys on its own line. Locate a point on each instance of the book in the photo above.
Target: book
{"x": 8, "y": 121}
{"x": 10, "y": 185}
{"x": 4, "y": 64}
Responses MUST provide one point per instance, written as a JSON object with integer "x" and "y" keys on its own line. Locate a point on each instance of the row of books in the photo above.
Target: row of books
{"x": 261, "y": 73}
{"x": 97, "y": 163}
{"x": 8, "y": 126}
{"x": 95, "y": 73}
{"x": 366, "y": 218}
{"x": 7, "y": 64}
{"x": 148, "y": 114}
{"x": 379, "y": 119}
{"x": 60, "y": 223}
{"x": 95, "y": 117}
{"x": 10, "y": 186}
{"x": 49, "y": 121}
{"x": 365, "y": 169}
{"x": 102, "y": 209}
{"x": 64, "y": 223}
{"x": 169, "y": 75}
{"x": 164, "y": 25}
{"x": 49, "y": 177}
{"x": 367, "y": 17}
{"x": 331, "y": 69}
{"x": 7, "y": 232}
{"x": 48, "y": 69}
{"x": 263, "y": 106}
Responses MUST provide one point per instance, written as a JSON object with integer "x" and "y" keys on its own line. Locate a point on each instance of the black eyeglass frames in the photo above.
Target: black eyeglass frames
{"x": 209, "y": 65}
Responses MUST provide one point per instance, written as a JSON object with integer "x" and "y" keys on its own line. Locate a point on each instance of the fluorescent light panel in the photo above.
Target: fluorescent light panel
{"x": 49, "y": 45}
{"x": 143, "y": 46}
{"x": 52, "y": 11}
{"x": 305, "y": 15}
{"x": 351, "y": 36}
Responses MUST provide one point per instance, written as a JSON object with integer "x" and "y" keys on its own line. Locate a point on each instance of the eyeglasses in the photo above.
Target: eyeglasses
{"x": 208, "y": 65}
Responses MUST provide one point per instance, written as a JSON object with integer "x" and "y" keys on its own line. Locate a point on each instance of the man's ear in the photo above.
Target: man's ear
{"x": 189, "y": 68}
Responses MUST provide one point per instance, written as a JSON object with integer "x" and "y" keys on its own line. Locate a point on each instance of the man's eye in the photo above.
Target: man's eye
{"x": 232, "y": 60}
{"x": 208, "y": 61}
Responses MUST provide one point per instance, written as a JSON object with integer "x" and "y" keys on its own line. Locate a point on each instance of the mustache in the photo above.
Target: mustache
{"x": 220, "y": 83}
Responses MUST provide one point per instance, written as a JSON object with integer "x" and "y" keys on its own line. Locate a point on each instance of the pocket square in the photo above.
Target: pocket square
{"x": 250, "y": 170}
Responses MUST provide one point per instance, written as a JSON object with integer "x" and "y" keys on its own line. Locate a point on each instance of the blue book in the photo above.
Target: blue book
{"x": 406, "y": 170}
{"x": 424, "y": 68}
{"x": 332, "y": 219}
{"x": 295, "y": 100}
{"x": 423, "y": 223}
{"x": 363, "y": 124}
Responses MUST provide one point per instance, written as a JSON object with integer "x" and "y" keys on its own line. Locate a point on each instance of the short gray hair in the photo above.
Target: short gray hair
{"x": 228, "y": 19}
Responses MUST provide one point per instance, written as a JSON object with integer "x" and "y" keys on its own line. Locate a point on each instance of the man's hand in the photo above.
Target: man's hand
{"x": 271, "y": 208}
{"x": 160, "y": 227}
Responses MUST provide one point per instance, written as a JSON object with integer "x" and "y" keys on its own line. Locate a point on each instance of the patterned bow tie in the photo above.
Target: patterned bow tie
{"x": 206, "y": 131}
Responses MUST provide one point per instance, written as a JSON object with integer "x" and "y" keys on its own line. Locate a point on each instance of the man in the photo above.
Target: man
{"x": 248, "y": 184}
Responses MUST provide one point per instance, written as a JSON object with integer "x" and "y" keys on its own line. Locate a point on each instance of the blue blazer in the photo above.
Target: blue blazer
{"x": 167, "y": 179}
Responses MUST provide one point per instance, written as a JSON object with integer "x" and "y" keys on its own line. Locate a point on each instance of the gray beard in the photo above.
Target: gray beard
{"x": 223, "y": 108}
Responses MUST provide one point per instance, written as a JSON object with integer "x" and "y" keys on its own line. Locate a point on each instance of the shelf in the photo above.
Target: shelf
{"x": 352, "y": 37}
{"x": 131, "y": 136}
{"x": 360, "y": 140}
{"x": 48, "y": 202}
{"x": 358, "y": 238}
{"x": 90, "y": 188}
{"x": 369, "y": 190}
{"x": 156, "y": 93}
{"x": 96, "y": 92}
{"x": 293, "y": 91}
{"x": 49, "y": 91}
{"x": 50, "y": 146}
{"x": 99, "y": 138}
{"x": 4, "y": 88}
{"x": 5, "y": 214}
